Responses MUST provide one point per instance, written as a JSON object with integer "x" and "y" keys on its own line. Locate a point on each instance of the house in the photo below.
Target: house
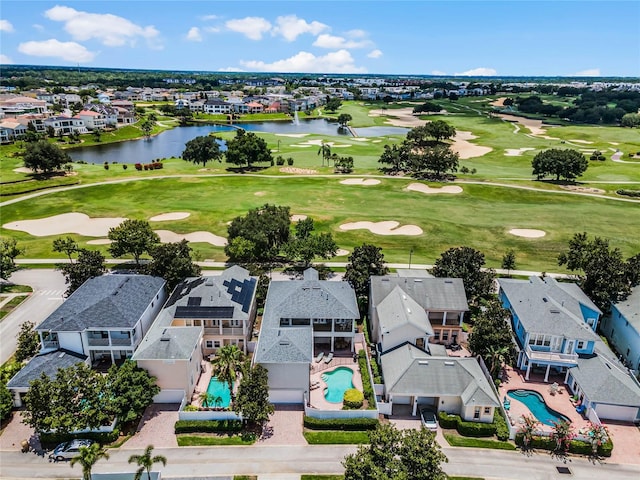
{"x": 457, "y": 385}
{"x": 201, "y": 315}
{"x": 254, "y": 107}
{"x": 622, "y": 328}
{"x": 65, "y": 125}
{"x": 302, "y": 318}
{"x": 11, "y": 130}
{"x": 215, "y": 105}
{"x": 48, "y": 363}
{"x": 106, "y": 318}
{"x": 554, "y": 325}
{"x": 430, "y": 309}
{"x": 92, "y": 120}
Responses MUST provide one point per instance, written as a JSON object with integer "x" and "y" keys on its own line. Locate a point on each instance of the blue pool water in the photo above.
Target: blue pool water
{"x": 338, "y": 381}
{"x": 219, "y": 389}
{"x": 535, "y": 403}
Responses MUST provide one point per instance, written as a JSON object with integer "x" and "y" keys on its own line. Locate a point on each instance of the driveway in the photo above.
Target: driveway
{"x": 284, "y": 427}
{"x": 156, "y": 427}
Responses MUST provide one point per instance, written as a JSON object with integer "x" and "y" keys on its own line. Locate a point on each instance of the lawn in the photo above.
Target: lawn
{"x": 8, "y": 307}
{"x": 456, "y": 440}
{"x": 194, "y": 440}
{"x": 331, "y": 437}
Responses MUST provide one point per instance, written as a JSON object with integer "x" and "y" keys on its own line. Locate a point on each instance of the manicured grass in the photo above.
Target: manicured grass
{"x": 193, "y": 440}
{"x": 8, "y": 307}
{"x": 460, "y": 441}
{"x": 245, "y": 477}
{"x": 4, "y": 288}
{"x": 331, "y": 437}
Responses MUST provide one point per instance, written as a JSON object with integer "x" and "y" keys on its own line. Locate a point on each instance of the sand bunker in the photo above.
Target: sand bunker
{"x": 342, "y": 252}
{"x": 66, "y": 223}
{"x": 167, "y": 236}
{"x": 535, "y": 126}
{"x": 527, "y": 232}
{"x": 298, "y": 171}
{"x": 297, "y": 218}
{"x": 576, "y": 188}
{"x": 360, "y": 181}
{"x": 582, "y": 141}
{"x": 383, "y": 228}
{"x": 400, "y": 117}
{"x": 422, "y": 188}
{"x": 163, "y": 217}
{"x": 99, "y": 241}
{"x": 260, "y": 194}
{"x": 498, "y": 102}
{"x": 466, "y": 149}
{"x": 292, "y": 135}
{"x": 516, "y": 152}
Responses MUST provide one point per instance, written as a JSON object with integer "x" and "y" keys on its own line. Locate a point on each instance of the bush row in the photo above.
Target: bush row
{"x": 629, "y": 193}
{"x": 578, "y": 447}
{"x": 502, "y": 430}
{"x": 353, "y": 399}
{"x": 149, "y": 166}
{"x": 369, "y": 394}
{"x": 346, "y": 424}
{"x": 468, "y": 429}
{"x": 100, "y": 437}
{"x": 207, "y": 426}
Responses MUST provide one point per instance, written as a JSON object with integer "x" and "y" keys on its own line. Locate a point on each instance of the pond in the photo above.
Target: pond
{"x": 171, "y": 142}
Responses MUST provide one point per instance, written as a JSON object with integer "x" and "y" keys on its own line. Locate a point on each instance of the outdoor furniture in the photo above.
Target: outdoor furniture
{"x": 319, "y": 357}
{"x": 553, "y": 388}
{"x": 329, "y": 358}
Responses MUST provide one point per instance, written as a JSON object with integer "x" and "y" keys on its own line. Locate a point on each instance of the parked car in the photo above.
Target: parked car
{"x": 429, "y": 420}
{"x": 68, "y": 450}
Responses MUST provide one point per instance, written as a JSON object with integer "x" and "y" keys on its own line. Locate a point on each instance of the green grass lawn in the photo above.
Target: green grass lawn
{"x": 194, "y": 440}
{"x": 8, "y": 307}
{"x": 456, "y": 440}
{"x": 331, "y": 437}
{"x": 9, "y": 288}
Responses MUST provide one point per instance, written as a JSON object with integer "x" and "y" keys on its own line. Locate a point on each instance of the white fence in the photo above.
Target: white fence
{"x": 169, "y": 396}
{"x": 327, "y": 414}
{"x": 209, "y": 415}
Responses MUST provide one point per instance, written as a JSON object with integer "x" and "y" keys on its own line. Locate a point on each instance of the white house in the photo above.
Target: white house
{"x": 622, "y": 328}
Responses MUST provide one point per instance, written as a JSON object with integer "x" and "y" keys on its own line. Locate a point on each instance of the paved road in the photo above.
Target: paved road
{"x": 48, "y": 288}
{"x": 197, "y": 461}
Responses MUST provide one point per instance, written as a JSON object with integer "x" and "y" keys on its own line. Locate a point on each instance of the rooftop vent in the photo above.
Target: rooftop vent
{"x": 61, "y": 355}
{"x": 209, "y": 282}
{"x": 385, "y": 280}
{"x": 417, "y": 280}
{"x": 448, "y": 281}
{"x": 544, "y": 299}
{"x": 284, "y": 343}
{"x": 449, "y": 364}
{"x": 423, "y": 362}
{"x": 408, "y": 310}
{"x": 553, "y": 310}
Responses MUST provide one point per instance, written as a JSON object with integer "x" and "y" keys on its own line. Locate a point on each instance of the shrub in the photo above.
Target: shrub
{"x": 468, "y": 429}
{"x": 124, "y": 166}
{"x": 346, "y": 424}
{"x": 146, "y": 167}
{"x": 157, "y": 165}
{"x": 628, "y": 193}
{"x": 579, "y": 447}
{"x": 100, "y": 437}
{"x": 502, "y": 429}
{"x": 448, "y": 421}
{"x": 191, "y": 408}
{"x": 207, "y": 426}
{"x": 366, "y": 379}
{"x": 464, "y": 169}
{"x": 106, "y": 166}
{"x": 353, "y": 399}
{"x": 290, "y": 161}
{"x": 280, "y": 160}
{"x": 138, "y": 166}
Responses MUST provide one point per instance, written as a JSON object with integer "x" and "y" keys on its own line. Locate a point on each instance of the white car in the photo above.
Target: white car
{"x": 429, "y": 420}
{"x": 68, "y": 450}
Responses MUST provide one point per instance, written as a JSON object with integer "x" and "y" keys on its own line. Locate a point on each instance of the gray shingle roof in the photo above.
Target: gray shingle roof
{"x": 408, "y": 370}
{"x": 432, "y": 294}
{"x": 398, "y": 309}
{"x": 630, "y": 308}
{"x": 543, "y": 306}
{"x": 307, "y": 298}
{"x": 109, "y": 301}
{"x": 47, "y": 363}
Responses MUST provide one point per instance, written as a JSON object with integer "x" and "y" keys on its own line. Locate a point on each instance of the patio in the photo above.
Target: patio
{"x": 342, "y": 359}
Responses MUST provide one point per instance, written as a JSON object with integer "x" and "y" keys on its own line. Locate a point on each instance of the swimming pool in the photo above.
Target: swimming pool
{"x": 220, "y": 391}
{"x": 338, "y": 381}
{"x": 534, "y": 402}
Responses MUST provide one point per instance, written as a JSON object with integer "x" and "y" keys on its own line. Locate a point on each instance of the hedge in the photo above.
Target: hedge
{"x": 207, "y": 426}
{"x": 629, "y": 193}
{"x": 448, "y": 421}
{"x": 353, "y": 399}
{"x": 502, "y": 430}
{"x": 578, "y": 447}
{"x": 346, "y": 424}
{"x": 468, "y": 429}
{"x": 366, "y": 380}
{"x": 100, "y": 437}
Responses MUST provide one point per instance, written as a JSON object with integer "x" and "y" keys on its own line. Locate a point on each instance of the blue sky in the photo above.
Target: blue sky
{"x": 513, "y": 37}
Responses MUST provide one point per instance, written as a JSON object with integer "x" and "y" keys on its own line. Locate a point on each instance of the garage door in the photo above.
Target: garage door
{"x": 285, "y": 396}
{"x": 616, "y": 412}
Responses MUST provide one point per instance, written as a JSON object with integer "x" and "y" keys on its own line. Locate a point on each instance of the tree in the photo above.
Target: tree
{"x": 264, "y": 230}
{"x": 247, "y": 148}
{"x": 252, "y": 401}
{"x": 227, "y": 365}
{"x": 145, "y": 462}
{"x": 491, "y": 337}
{"x": 147, "y": 127}
{"x": 333, "y": 104}
{"x": 173, "y": 262}
{"x": 440, "y": 130}
{"x": 433, "y": 161}
{"x": 305, "y": 246}
{"x": 131, "y": 390}
{"x": 466, "y": 263}
{"x": 630, "y": 120}
{"x": 88, "y": 457}
{"x": 509, "y": 261}
{"x": 325, "y": 151}
{"x": 9, "y": 250}
{"x": 206, "y": 399}
{"x": 202, "y": 150}
{"x": 184, "y": 115}
{"x": 528, "y": 429}
{"x": 67, "y": 245}
{"x": 607, "y": 277}
{"x": 562, "y": 433}
{"x": 133, "y": 237}
{"x": 28, "y": 342}
{"x": 343, "y": 164}
{"x": 396, "y": 455}
{"x": 44, "y": 156}
{"x": 90, "y": 264}
{"x": 598, "y": 434}
{"x": 397, "y": 157}
{"x": 6, "y": 401}
{"x": 97, "y": 134}
{"x": 427, "y": 107}
{"x": 364, "y": 262}
{"x": 568, "y": 164}
{"x": 344, "y": 119}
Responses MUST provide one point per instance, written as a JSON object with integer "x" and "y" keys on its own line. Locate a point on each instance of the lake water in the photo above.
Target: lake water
{"x": 171, "y": 142}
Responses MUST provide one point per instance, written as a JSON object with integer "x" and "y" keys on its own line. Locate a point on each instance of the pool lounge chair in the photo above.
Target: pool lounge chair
{"x": 329, "y": 358}
{"x": 319, "y": 357}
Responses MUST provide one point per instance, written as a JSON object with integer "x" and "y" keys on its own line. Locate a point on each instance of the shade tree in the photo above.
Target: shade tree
{"x": 89, "y": 264}
{"x": 246, "y": 148}
{"x": 132, "y": 237}
{"x": 468, "y": 264}
{"x": 173, "y": 262}
{"x": 201, "y": 150}
{"x": 42, "y": 156}
{"x": 9, "y": 250}
{"x": 567, "y": 164}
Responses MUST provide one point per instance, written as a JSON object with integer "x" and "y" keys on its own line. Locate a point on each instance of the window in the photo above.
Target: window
{"x": 476, "y": 413}
{"x": 581, "y": 345}
{"x": 436, "y": 335}
{"x": 532, "y": 340}
{"x": 151, "y": 304}
{"x": 216, "y": 343}
{"x": 209, "y": 343}
{"x": 445, "y": 335}
{"x": 547, "y": 340}
{"x": 487, "y": 410}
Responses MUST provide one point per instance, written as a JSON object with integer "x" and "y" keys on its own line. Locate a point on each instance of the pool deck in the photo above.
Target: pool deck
{"x": 316, "y": 397}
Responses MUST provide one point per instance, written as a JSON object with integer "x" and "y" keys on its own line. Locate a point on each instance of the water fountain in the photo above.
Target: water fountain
{"x": 296, "y": 121}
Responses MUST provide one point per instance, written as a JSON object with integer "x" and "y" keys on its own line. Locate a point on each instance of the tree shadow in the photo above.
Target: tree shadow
{"x": 246, "y": 169}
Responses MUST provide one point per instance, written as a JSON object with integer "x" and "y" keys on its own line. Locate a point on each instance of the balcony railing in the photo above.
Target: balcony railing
{"x": 552, "y": 357}
{"x": 98, "y": 342}
{"x": 232, "y": 331}
{"x": 50, "y": 344}
{"x": 121, "y": 341}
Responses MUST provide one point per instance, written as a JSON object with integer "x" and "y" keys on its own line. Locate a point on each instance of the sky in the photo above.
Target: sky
{"x": 503, "y": 38}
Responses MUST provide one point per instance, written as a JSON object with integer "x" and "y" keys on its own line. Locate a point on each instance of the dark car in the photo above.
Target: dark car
{"x": 428, "y": 418}
{"x": 68, "y": 450}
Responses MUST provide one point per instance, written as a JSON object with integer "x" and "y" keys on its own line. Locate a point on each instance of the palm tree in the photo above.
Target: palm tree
{"x": 146, "y": 461}
{"x": 206, "y": 399}
{"x": 325, "y": 150}
{"x": 497, "y": 355}
{"x": 227, "y": 364}
{"x": 88, "y": 457}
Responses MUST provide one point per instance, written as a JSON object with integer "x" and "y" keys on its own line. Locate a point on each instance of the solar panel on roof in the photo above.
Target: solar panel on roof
{"x": 194, "y": 301}
{"x": 203, "y": 312}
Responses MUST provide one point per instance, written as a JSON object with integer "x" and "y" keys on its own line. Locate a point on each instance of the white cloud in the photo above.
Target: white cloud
{"x": 333, "y": 41}
{"x": 290, "y": 27}
{"x": 69, "y": 51}
{"x": 38, "y": 27}
{"x": 478, "y": 72}
{"x": 356, "y": 33}
{"x": 5, "y": 26}
{"x": 111, "y": 30}
{"x": 251, "y": 27}
{"x": 209, "y": 17}
{"x": 5, "y": 60}
{"x": 590, "y": 72}
{"x": 375, "y": 53}
{"x": 194, "y": 34}
{"x": 211, "y": 29}
{"x": 438, "y": 72}
{"x": 333, "y": 62}
{"x": 230, "y": 69}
